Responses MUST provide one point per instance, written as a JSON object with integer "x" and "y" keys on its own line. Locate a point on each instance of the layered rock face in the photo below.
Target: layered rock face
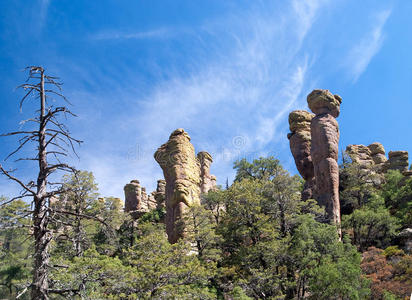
{"x": 360, "y": 154}
{"x": 324, "y": 150}
{"x": 368, "y": 156}
{"x": 136, "y": 199}
{"x": 378, "y": 153}
{"x": 182, "y": 173}
{"x": 398, "y": 160}
{"x": 207, "y": 181}
{"x": 300, "y": 144}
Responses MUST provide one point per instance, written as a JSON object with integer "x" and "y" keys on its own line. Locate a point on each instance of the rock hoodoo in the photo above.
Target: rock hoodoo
{"x": 398, "y": 160}
{"x": 378, "y": 153}
{"x": 160, "y": 194}
{"x": 300, "y": 144}
{"x": 136, "y": 199}
{"x": 207, "y": 181}
{"x": 181, "y": 171}
{"x": 324, "y": 150}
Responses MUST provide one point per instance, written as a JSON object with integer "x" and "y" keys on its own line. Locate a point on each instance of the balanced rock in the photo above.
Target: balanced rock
{"x": 300, "y": 144}
{"x": 398, "y": 160}
{"x": 207, "y": 181}
{"x": 181, "y": 171}
{"x": 325, "y": 149}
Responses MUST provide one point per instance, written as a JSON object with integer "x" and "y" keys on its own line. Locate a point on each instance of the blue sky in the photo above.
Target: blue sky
{"x": 228, "y": 72}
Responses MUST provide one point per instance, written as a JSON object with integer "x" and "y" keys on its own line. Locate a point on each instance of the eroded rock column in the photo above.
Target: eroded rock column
{"x": 160, "y": 193}
{"x": 398, "y": 160}
{"x": 133, "y": 196}
{"x": 300, "y": 144}
{"x": 181, "y": 171}
{"x": 207, "y": 181}
{"x": 324, "y": 150}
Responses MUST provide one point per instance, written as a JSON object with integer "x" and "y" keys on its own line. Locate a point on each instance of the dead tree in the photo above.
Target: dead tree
{"x": 52, "y": 141}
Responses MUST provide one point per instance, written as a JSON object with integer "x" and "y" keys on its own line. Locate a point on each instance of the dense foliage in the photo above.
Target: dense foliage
{"x": 254, "y": 240}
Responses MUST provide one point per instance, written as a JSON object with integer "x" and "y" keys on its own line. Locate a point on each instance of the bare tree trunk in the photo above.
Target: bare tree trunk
{"x": 42, "y": 236}
{"x": 51, "y": 132}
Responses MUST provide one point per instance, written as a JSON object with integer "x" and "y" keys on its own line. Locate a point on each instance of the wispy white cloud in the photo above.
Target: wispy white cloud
{"x": 362, "y": 53}
{"x": 41, "y": 13}
{"x": 160, "y": 33}
{"x": 231, "y": 103}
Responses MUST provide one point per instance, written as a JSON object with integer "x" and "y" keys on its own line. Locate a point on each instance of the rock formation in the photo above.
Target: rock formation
{"x": 182, "y": 173}
{"x": 137, "y": 201}
{"x": 378, "y": 153}
{"x": 300, "y": 144}
{"x": 368, "y": 156}
{"x": 160, "y": 194}
{"x": 361, "y": 155}
{"x": 324, "y": 150}
{"x": 133, "y": 196}
{"x": 398, "y": 160}
{"x": 207, "y": 181}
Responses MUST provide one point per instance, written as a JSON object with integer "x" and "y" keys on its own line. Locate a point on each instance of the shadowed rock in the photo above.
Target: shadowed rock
{"x": 207, "y": 181}
{"x": 133, "y": 196}
{"x": 160, "y": 193}
{"x": 398, "y": 160}
{"x": 300, "y": 144}
{"x": 324, "y": 150}
{"x": 182, "y": 174}
{"x": 137, "y": 201}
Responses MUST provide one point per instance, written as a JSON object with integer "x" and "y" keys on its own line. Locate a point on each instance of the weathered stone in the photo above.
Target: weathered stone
{"x": 160, "y": 194}
{"x": 377, "y": 153}
{"x": 182, "y": 174}
{"x": 398, "y": 160}
{"x": 137, "y": 201}
{"x": 133, "y": 196}
{"x": 206, "y": 181}
{"x": 361, "y": 155}
{"x": 324, "y": 151}
{"x": 300, "y": 144}
{"x": 323, "y": 101}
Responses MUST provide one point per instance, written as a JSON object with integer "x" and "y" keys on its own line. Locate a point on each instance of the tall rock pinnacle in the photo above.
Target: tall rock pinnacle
{"x": 207, "y": 181}
{"x": 324, "y": 150}
{"x": 300, "y": 143}
{"x": 181, "y": 171}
